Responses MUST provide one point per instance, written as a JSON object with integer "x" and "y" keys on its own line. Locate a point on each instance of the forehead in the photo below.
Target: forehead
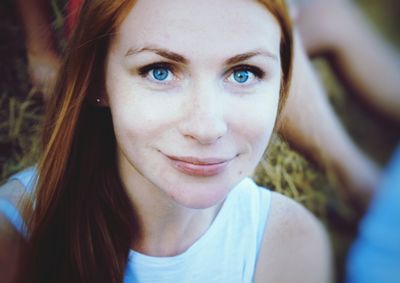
{"x": 199, "y": 26}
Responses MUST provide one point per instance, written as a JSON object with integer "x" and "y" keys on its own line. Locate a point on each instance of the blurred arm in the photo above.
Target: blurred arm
{"x": 310, "y": 124}
{"x": 41, "y": 52}
{"x": 367, "y": 63}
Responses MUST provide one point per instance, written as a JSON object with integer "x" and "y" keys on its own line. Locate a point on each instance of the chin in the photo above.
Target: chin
{"x": 200, "y": 196}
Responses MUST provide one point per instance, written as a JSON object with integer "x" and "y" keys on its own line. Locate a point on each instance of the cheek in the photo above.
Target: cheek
{"x": 126, "y": 122}
{"x": 138, "y": 115}
{"x": 256, "y": 118}
{"x": 135, "y": 128}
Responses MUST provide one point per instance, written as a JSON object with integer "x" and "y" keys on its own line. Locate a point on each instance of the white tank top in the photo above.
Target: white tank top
{"x": 227, "y": 252}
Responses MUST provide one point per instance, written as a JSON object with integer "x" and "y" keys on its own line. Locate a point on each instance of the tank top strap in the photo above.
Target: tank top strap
{"x": 8, "y": 205}
{"x": 254, "y": 202}
{"x": 27, "y": 178}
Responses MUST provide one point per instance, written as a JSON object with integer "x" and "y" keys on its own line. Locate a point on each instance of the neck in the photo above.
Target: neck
{"x": 169, "y": 232}
{"x": 167, "y": 228}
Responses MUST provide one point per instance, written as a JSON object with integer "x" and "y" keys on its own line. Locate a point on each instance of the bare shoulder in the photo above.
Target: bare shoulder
{"x": 11, "y": 241}
{"x": 295, "y": 246}
{"x": 13, "y": 199}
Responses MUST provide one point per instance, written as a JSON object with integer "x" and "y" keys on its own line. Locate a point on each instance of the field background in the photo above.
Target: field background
{"x": 284, "y": 170}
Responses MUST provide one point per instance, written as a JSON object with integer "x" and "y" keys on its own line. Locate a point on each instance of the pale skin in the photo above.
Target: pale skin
{"x": 193, "y": 113}
{"x": 186, "y": 107}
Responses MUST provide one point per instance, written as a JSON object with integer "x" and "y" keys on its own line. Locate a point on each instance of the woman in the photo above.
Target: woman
{"x": 163, "y": 109}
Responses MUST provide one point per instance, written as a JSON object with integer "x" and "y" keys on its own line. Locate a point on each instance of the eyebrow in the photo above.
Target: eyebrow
{"x": 245, "y": 56}
{"x": 180, "y": 59}
{"x": 161, "y": 52}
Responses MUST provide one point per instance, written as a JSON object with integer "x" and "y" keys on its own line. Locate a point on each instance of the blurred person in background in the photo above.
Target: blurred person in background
{"x": 368, "y": 65}
{"x": 365, "y": 62}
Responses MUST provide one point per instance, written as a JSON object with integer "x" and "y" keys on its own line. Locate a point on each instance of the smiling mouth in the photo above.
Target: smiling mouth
{"x": 201, "y": 167}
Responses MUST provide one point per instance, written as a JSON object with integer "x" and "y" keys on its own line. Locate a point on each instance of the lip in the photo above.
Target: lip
{"x": 202, "y": 167}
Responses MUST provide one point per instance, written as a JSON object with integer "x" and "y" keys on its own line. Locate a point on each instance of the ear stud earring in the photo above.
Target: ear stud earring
{"x": 98, "y": 100}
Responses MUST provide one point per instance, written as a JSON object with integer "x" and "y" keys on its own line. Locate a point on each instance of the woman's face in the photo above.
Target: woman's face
{"x": 193, "y": 88}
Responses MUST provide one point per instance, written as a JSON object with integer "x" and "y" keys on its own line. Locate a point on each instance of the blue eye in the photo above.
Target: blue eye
{"x": 242, "y": 76}
{"x": 160, "y": 74}
{"x": 245, "y": 75}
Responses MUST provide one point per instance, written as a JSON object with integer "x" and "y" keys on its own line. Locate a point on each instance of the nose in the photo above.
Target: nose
{"x": 204, "y": 121}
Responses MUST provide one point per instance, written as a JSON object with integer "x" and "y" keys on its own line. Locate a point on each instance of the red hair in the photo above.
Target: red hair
{"x": 73, "y": 9}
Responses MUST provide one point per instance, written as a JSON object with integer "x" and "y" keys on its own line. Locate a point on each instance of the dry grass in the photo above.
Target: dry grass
{"x": 287, "y": 172}
{"x": 18, "y": 133}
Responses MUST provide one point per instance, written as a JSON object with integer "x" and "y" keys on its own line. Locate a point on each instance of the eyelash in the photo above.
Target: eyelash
{"x": 258, "y": 73}
{"x": 144, "y": 71}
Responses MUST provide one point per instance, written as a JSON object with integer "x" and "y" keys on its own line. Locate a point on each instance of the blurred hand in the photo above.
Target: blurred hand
{"x": 43, "y": 69}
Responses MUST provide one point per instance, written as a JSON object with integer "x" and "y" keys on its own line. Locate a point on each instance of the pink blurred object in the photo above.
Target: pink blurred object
{"x": 74, "y": 7}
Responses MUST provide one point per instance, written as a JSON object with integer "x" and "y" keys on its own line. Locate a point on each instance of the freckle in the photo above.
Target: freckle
{"x": 240, "y": 172}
